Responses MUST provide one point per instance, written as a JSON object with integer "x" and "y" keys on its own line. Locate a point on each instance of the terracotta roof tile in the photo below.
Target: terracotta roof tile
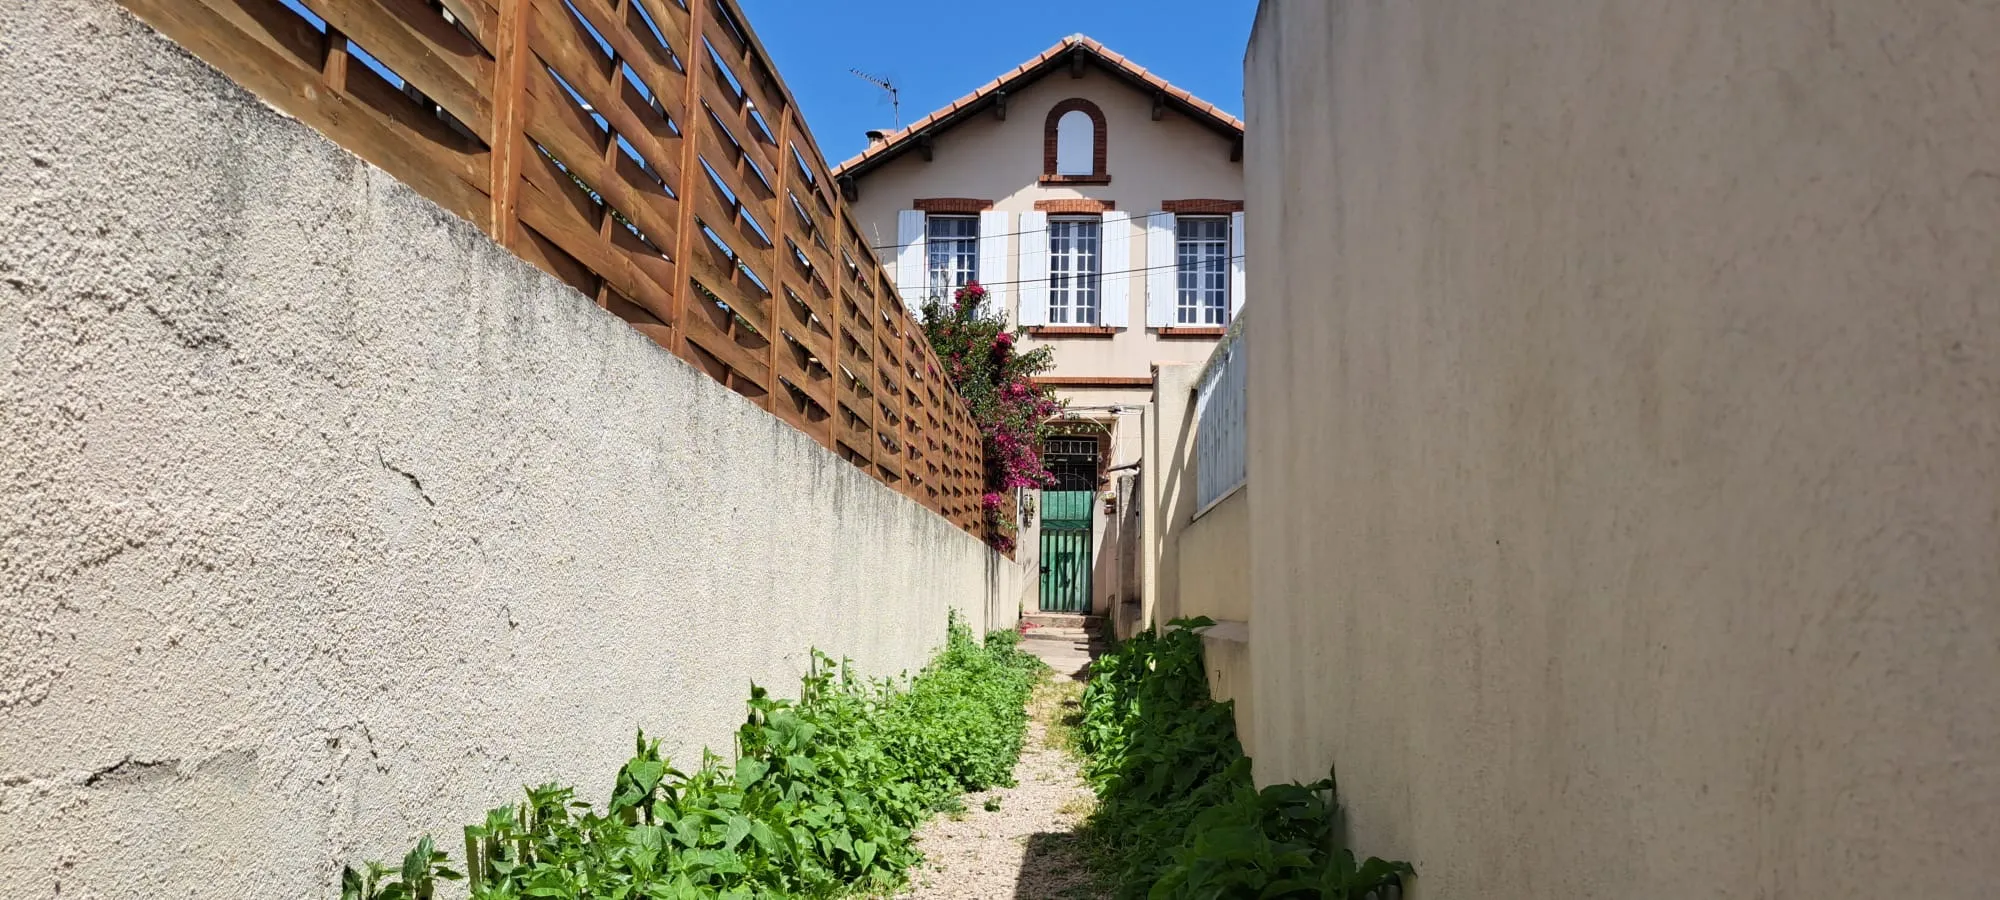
{"x": 896, "y": 139}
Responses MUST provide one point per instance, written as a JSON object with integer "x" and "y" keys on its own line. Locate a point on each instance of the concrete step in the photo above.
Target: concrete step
{"x": 1059, "y": 643}
{"x": 1064, "y": 620}
{"x": 1057, "y": 632}
{"x": 1068, "y": 643}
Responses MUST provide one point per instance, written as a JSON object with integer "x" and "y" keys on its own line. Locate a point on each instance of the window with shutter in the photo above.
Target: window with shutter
{"x": 953, "y": 245}
{"x": 1073, "y": 271}
{"x": 1202, "y": 271}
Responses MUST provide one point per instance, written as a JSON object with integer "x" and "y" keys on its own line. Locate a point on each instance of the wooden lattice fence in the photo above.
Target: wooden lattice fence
{"x": 647, "y": 153}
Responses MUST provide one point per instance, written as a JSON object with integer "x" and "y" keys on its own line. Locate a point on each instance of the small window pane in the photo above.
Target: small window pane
{"x": 1076, "y": 144}
{"x": 953, "y": 242}
{"x": 1202, "y": 258}
{"x": 1073, "y": 271}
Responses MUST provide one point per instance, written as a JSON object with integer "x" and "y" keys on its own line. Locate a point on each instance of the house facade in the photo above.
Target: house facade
{"x": 1102, "y": 208}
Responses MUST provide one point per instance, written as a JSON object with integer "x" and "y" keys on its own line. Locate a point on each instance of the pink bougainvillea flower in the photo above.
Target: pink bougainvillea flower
{"x": 985, "y": 364}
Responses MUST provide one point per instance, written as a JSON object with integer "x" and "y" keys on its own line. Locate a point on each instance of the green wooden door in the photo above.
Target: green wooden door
{"x": 1066, "y": 518}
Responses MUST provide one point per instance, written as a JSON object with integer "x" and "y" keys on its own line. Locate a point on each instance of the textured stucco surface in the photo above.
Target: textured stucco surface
{"x": 1170, "y": 495}
{"x": 1632, "y": 373}
{"x": 1214, "y": 561}
{"x": 325, "y": 523}
{"x": 1226, "y": 655}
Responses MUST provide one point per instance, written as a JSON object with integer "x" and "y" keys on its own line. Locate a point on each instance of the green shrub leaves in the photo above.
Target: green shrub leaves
{"x": 820, "y": 801}
{"x": 1178, "y": 815}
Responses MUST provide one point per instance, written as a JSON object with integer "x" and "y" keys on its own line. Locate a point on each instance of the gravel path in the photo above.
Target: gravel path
{"x": 1026, "y": 849}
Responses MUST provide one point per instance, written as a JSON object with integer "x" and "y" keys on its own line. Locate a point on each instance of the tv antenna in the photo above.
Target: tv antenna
{"x": 895, "y": 96}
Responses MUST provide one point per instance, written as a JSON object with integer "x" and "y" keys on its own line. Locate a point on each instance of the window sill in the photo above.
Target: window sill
{"x": 1076, "y": 179}
{"x": 1093, "y": 381}
{"x": 1047, "y": 331}
{"x": 1193, "y": 331}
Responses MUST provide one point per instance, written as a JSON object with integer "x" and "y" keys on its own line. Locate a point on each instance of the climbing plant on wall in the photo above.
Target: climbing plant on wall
{"x": 981, "y": 357}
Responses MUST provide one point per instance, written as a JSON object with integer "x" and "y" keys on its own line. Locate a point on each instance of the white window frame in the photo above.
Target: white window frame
{"x": 1076, "y": 266}
{"x": 1202, "y": 273}
{"x": 951, "y": 259}
{"x": 1076, "y": 143}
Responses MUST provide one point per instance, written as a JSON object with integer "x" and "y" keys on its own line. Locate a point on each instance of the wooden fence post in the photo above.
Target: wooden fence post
{"x": 510, "y": 72}
{"x": 781, "y": 259}
{"x": 695, "y": 56}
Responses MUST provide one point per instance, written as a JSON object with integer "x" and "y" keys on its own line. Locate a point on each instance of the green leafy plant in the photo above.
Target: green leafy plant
{"x": 422, "y": 869}
{"x": 1178, "y": 814}
{"x": 820, "y": 800}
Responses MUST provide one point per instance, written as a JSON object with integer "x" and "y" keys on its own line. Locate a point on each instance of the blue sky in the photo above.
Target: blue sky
{"x": 937, "y": 51}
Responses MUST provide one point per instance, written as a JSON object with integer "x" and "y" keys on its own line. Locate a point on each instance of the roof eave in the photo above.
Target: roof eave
{"x": 908, "y": 142}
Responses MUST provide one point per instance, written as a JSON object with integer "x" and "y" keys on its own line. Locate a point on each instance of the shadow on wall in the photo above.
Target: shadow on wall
{"x": 1056, "y": 867}
{"x": 1008, "y": 587}
{"x": 1105, "y": 586}
{"x": 1132, "y": 502}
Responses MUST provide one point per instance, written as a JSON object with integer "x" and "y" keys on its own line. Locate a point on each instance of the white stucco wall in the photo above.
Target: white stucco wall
{"x": 1214, "y": 561}
{"x": 325, "y": 523}
{"x": 1625, "y": 434}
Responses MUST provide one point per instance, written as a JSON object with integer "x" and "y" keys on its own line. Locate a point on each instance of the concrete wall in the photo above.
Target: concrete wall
{"x": 1214, "y": 560}
{"x": 1632, "y": 373}
{"x": 1210, "y": 557}
{"x": 1226, "y": 656}
{"x": 325, "y": 523}
{"x": 1169, "y": 490}
{"x": 1212, "y": 554}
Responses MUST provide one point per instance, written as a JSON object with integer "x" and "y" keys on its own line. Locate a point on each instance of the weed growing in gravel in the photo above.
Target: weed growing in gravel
{"x": 1058, "y": 703}
{"x": 1178, "y": 815}
{"x": 820, "y": 802}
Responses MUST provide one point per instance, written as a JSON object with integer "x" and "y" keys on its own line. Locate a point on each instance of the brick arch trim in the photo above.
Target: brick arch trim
{"x": 1098, "y": 133}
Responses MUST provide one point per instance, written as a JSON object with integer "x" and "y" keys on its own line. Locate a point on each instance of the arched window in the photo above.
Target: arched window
{"x": 1073, "y": 143}
{"x": 1076, "y": 137}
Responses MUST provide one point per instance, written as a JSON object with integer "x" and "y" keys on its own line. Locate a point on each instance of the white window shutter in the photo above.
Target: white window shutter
{"x": 1162, "y": 279}
{"x": 995, "y": 233}
{"x": 1114, "y": 290}
{"x": 1034, "y": 275}
{"x": 912, "y": 265}
{"x": 1239, "y": 279}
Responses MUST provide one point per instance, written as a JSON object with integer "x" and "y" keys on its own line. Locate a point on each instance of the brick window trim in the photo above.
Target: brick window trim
{"x": 1209, "y": 332}
{"x": 1090, "y": 381}
{"x": 1075, "y": 179}
{"x": 1046, "y": 331}
{"x": 1097, "y": 151}
{"x": 1076, "y": 206}
{"x": 1202, "y": 207}
{"x": 952, "y": 205}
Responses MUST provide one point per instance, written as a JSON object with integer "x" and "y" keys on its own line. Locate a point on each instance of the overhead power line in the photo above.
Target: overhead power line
{"x": 898, "y": 246}
{"x": 1101, "y": 276}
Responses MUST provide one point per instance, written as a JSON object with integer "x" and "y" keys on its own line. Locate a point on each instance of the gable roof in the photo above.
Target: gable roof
{"x": 1064, "y": 52}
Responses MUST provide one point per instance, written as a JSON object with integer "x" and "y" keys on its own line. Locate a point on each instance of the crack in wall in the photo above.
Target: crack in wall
{"x": 415, "y": 482}
{"x": 130, "y": 771}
